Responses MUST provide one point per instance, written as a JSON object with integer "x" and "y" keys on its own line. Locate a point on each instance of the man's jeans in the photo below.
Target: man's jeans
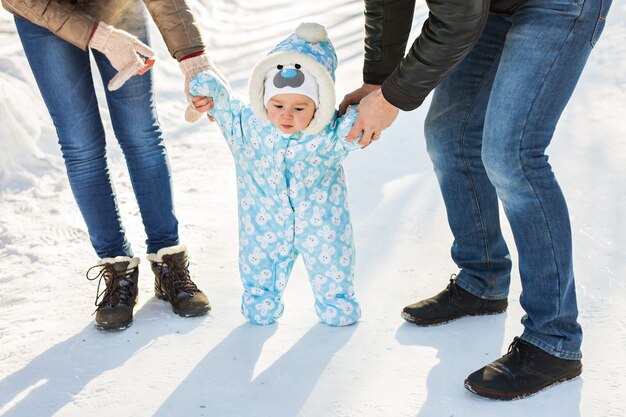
{"x": 487, "y": 129}
{"x": 63, "y": 74}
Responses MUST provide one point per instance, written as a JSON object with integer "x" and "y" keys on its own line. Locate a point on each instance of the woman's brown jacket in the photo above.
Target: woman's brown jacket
{"x": 74, "y": 20}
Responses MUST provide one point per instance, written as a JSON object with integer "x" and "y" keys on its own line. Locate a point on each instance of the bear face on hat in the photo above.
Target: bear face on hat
{"x": 308, "y": 51}
{"x": 288, "y": 77}
{"x": 291, "y": 79}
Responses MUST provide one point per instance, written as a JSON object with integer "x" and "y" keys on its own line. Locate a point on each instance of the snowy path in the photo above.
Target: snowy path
{"x": 54, "y": 362}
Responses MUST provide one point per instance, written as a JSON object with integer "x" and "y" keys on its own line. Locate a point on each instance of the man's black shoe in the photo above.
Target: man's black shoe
{"x": 523, "y": 371}
{"x": 451, "y": 304}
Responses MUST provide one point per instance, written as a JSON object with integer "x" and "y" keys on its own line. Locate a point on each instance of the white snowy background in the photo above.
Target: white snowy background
{"x": 54, "y": 362}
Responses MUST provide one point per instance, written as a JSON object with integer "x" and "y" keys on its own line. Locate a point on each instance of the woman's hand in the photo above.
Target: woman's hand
{"x": 127, "y": 54}
{"x": 190, "y": 66}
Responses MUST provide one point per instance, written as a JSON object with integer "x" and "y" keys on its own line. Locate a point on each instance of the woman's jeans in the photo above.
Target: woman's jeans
{"x": 487, "y": 130}
{"x": 63, "y": 74}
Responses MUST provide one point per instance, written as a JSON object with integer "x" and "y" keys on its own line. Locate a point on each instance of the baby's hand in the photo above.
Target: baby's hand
{"x": 200, "y": 84}
{"x": 345, "y": 124}
{"x": 203, "y": 104}
{"x": 210, "y": 86}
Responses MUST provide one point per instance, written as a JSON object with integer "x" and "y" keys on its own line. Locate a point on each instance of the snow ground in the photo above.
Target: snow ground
{"x": 53, "y": 362}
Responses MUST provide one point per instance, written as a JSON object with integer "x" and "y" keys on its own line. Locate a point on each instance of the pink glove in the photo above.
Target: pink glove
{"x": 127, "y": 54}
{"x": 190, "y": 67}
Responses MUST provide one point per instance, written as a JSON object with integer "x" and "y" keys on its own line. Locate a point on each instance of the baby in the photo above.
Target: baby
{"x": 288, "y": 145}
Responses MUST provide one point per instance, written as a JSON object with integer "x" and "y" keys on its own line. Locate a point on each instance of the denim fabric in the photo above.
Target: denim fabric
{"x": 63, "y": 74}
{"x": 487, "y": 130}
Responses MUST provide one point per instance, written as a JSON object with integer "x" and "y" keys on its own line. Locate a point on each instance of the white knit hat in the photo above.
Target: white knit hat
{"x": 291, "y": 79}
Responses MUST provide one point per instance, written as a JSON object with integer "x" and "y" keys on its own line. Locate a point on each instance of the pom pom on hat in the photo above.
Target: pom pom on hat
{"x": 311, "y": 32}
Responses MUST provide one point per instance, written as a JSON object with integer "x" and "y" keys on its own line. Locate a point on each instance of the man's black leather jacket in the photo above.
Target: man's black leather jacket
{"x": 452, "y": 28}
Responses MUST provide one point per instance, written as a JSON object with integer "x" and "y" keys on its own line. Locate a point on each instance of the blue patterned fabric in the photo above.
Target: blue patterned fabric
{"x": 292, "y": 200}
{"x": 323, "y": 51}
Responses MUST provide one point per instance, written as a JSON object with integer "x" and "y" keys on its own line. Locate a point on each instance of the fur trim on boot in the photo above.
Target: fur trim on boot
{"x": 132, "y": 262}
{"x": 171, "y": 250}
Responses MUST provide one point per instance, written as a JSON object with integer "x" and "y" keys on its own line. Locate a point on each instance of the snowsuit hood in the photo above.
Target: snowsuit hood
{"x": 309, "y": 48}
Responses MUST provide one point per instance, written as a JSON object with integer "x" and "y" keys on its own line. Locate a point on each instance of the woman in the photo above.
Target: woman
{"x": 57, "y": 36}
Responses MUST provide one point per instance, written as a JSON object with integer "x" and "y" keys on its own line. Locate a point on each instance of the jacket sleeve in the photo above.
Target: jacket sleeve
{"x": 227, "y": 110}
{"x": 387, "y": 29}
{"x": 74, "y": 21}
{"x": 448, "y": 34}
{"x": 63, "y": 18}
{"x": 177, "y": 25}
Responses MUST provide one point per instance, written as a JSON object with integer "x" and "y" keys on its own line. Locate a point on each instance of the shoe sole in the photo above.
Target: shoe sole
{"x": 196, "y": 313}
{"x": 117, "y": 327}
{"x": 113, "y": 328}
{"x": 427, "y": 323}
{"x": 521, "y": 395}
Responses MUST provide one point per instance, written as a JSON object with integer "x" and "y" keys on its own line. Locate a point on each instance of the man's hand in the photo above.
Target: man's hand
{"x": 375, "y": 115}
{"x": 127, "y": 54}
{"x": 356, "y": 96}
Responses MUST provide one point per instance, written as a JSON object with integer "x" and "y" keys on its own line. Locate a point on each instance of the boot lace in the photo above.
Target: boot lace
{"x": 454, "y": 290}
{"x": 520, "y": 352}
{"x": 118, "y": 286}
{"x": 174, "y": 273}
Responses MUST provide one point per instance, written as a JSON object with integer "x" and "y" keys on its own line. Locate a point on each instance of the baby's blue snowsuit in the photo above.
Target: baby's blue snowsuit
{"x": 292, "y": 199}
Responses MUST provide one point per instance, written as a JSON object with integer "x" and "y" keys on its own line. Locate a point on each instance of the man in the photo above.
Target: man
{"x": 504, "y": 71}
